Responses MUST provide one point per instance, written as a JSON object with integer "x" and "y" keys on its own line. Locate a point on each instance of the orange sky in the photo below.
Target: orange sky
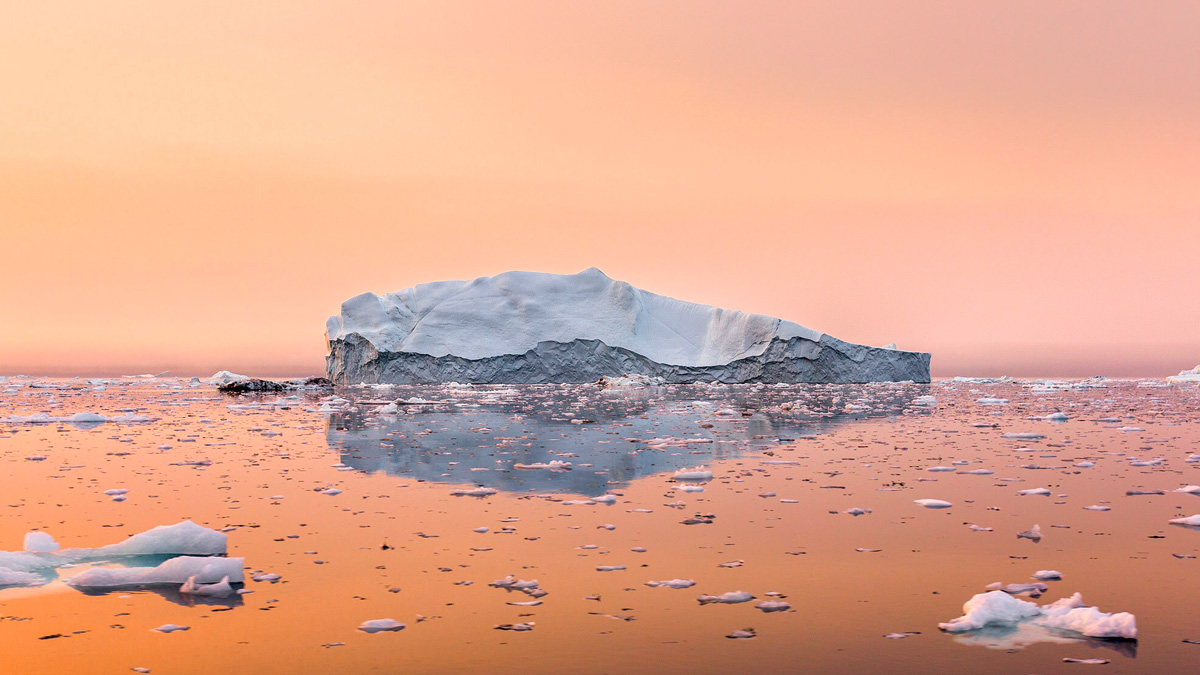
{"x": 1012, "y": 186}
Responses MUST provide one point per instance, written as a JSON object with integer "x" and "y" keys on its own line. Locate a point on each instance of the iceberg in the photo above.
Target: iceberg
{"x": 1185, "y": 376}
{"x": 529, "y": 327}
{"x": 1069, "y": 614}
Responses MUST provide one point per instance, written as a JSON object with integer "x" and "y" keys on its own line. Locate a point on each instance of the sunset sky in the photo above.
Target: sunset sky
{"x": 1012, "y": 186}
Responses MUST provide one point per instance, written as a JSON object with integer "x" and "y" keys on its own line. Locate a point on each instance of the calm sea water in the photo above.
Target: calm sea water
{"x": 787, "y": 463}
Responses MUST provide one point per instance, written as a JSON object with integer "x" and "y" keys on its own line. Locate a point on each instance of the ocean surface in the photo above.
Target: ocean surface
{"x": 417, "y": 503}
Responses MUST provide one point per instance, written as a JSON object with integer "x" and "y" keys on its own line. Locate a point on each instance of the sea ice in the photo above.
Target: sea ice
{"x": 730, "y": 598}
{"x": 179, "y": 570}
{"x": 997, "y": 607}
{"x": 933, "y": 503}
{"x": 380, "y": 626}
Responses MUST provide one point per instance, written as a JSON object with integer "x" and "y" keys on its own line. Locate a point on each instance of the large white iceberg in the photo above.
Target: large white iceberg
{"x": 528, "y": 327}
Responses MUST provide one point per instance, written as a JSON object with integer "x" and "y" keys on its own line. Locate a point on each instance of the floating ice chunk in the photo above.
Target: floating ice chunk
{"x": 267, "y": 576}
{"x": 743, "y": 634}
{"x": 1190, "y": 489}
{"x": 40, "y": 542}
{"x": 381, "y": 626}
{"x": 332, "y": 492}
{"x": 1085, "y": 465}
{"x": 1041, "y": 492}
{"x": 869, "y": 550}
{"x": 672, "y": 583}
{"x": 1071, "y": 614}
{"x": 170, "y": 628}
{"x": 1017, "y": 589}
{"x": 691, "y": 488}
{"x": 9, "y": 577}
{"x": 519, "y": 627}
{"x": 933, "y": 503}
{"x": 1190, "y": 521}
{"x": 605, "y": 499}
{"x": 926, "y": 400}
{"x": 937, "y": 469}
{"x": 480, "y": 530}
{"x": 1048, "y": 575}
{"x": 1033, "y": 534}
{"x": 474, "y": 492}
{"x": 773, "y": 606}
{"x": 780, "y": 462}
{"x": 993, "y": 607}
{"x": 857, "y": 511}
{"x": 1024, "y": 436}
{"x": 552, "y": 465}
{"x": 609, "y": 568}
{"x": 1090, "y": 662}
{"x": 1057, "y": 417}
{"x": 221, "y": 589}
{"x": 692, "y": 474}
{"x": 513, "y": 583}
{"x": 977, "y": 472}
{"x": 180, "y": 570}
{"x": 1097, "y": 507}
{"x": 978, "y": 528}
{"x": 184, "y": 538}
{"x": 992, "y": 401}
{"x": 730, "y": 598}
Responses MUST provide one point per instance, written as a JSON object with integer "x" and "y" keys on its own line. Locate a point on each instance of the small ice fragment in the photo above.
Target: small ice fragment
{"x": 977, "y": 528}
{"x": 692, "y": 474}
{"x": 940, "y": 469}
{"x": 933, "y": 503}
{"x": 380, "y": 626}
{"x": 1190, "y": 521}
{"x": 1033, "y": 534}
{"x": 743, "y": 634}
{"x": 332, "y": 492}
{"x": 268, "y": 576}
{"x": 857, "y": 511}
{"x": 1047, "y": 575}
{"x": 170, "y": 628}
{"x": 480, "y": 530}
{"x": 1041, "y": 492}
{"x": 1090, "y": 662}
{"x": 732, "y": 563}
{"x": 115, "y": 491}
{"x": 609, "y": 568}
{"x": 1190, "y": 489}
{"x": 671, "y": 583}
{"x": 474, "y": 492}
{"x": 868, "y": 550}
{"x": 730, "y": 598}
{"x": 773, "y": 606}
{"x": 1097, "y": 507}
{"x": 519, "y": 627}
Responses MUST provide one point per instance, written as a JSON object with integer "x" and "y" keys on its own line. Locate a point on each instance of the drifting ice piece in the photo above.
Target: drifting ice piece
{"x": 528, "y": 327}
{"x": 190, "y": 570}
{"x": 182, "y": 538}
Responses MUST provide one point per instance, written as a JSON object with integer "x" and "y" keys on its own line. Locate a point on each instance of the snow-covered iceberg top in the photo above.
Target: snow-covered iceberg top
{"x": 1192, "y": 375}
{"x": 512, "y": 312}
